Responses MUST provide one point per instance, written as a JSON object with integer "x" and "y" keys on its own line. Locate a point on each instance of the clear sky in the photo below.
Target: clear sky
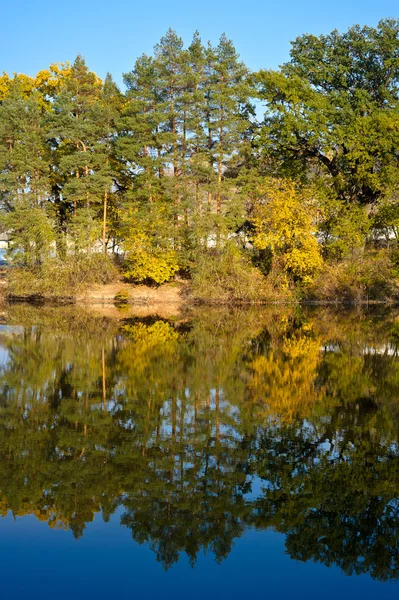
{"x": 112, "y": 34}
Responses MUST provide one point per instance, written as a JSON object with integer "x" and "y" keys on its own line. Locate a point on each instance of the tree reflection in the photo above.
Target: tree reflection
{"x": 172, "y": 420}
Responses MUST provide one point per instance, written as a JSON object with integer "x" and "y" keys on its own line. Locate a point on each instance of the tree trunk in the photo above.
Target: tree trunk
{"x": 105, "y": 223}
{"x": 219, "y": 201}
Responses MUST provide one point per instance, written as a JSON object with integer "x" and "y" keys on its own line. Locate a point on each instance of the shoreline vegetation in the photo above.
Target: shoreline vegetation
{"x": 165, "y": 299}
{"x": 204, "y": 182}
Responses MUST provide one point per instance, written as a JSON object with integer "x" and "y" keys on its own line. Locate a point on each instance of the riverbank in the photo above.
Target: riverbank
{"x": 173, "y": 295}
{"x": 139, "y": 295}
{"x": 176, "y": 296}
{"x": 116, "y": 292}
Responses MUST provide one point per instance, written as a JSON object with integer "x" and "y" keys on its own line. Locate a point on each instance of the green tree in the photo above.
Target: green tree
{"x": 331, "y": 111}
{"x": 24, "y": 180}
{"x": 229, "y": 112}
{"x": 75, "y": 133}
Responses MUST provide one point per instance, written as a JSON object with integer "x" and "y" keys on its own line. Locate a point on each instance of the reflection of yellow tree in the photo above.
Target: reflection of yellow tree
{"x": 283, "y": 382}
{"x": 150, "y": 336}
{"x": 146, "y": 356}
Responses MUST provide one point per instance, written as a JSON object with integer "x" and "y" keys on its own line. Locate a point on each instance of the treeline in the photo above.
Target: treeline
{"x": 179, "y": 174}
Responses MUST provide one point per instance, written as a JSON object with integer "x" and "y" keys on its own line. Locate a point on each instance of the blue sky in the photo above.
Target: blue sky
{"x": 112, "y": 34}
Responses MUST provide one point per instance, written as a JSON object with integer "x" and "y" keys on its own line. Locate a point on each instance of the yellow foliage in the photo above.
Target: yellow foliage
{"x": 150, "y": 336}
{"x": 3, "y": 507}
{"x": 47, "y": 81}
{"x": 50, "y": 81}
{"x": 283, "y": 385}
{"x": 148, "y": 251}
{"x": 146, "y": 349}
{"x": 26, "y": 83}
{"x": 284, "y": 220}
{"x": 4, "y": 85}
{"x": 145, "y": 262}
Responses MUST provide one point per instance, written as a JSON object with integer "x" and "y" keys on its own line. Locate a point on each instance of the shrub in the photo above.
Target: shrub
{"x": 147, "y": 245}
{"x": 371, "y": 277}
{"x": 150, "y": 265}
{"x": 59, "y": 279}
{"x": 284, "y": 221}
{"x": 227, "y": 276}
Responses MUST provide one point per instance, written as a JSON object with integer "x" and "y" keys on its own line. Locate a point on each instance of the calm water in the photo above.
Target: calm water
{"x": 222, "y": 454}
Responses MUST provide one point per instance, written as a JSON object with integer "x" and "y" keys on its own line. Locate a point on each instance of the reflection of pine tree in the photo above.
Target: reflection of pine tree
{"x": 191, "y": 498}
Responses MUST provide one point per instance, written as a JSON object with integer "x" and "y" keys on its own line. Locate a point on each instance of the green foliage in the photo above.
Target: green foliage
{"x": 168, "y": 423}
{"x": 344, "y": 229}
{"x": 31, "y": 235}
{"x": 385, "y": 220}
{"x": 333, "y": 108}
{"x": 85, "y": 229}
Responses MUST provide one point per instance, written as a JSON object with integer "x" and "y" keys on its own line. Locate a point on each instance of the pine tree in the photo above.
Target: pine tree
{"x": 195, "y": 168}
{"x": 75, "y": 133}
{"x": 229, "y": 113}
{"x": 169, "y": 60}
{"x": 24, "y": 178}
{"x": 106, "y": 116}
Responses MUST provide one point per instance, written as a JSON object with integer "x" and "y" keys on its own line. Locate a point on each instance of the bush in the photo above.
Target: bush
{"x": 370, "y": 277}
{"x": 151, "y": 266}
{"x": 284, "y": 222}
{"x": 227, "y": 276}
{"x": 59, "y": 279}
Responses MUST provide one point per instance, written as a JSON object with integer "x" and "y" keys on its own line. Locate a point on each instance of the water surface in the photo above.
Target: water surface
{"x": 216, "y": 454}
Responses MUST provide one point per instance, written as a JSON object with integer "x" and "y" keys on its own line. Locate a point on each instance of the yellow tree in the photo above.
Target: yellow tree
{"x": 147, "y": 244}
{"x": 284, "y": 219}
{"x": 47, "y": 82}
{"x": 282, "y": 385}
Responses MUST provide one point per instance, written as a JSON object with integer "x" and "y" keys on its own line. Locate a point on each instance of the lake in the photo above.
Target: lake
{"x": 215, "y": 454}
